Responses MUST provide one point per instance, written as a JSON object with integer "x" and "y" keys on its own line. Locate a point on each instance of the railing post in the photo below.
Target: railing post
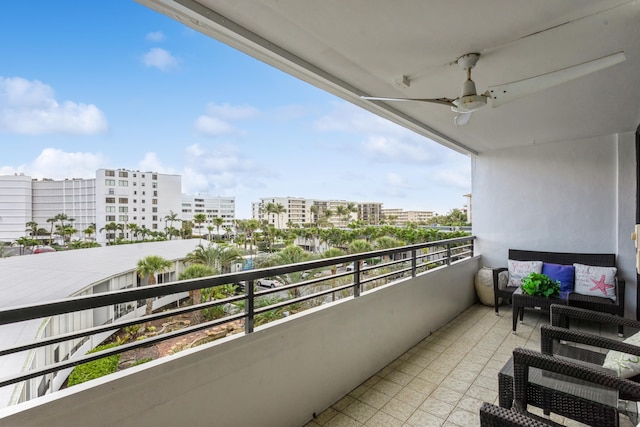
{"x": 448, "y": 253}
{"x": 248, "y": 308}
{"x": 356, "y": 278}
{"x": 414, "y": 262}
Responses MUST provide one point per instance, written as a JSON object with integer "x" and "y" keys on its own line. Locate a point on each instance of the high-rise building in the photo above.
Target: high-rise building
{"x": 134, "y": 197}
{"x": 295, "y": 210}
{"x": 212, "y": 206}
{"x": 75, "y": 198}
{"x": 370, "y": 212}
{"x": 401, "y": 217}
{"x": 15, "y": 206}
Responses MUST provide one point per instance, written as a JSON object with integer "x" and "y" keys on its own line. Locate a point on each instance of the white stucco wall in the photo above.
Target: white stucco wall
{"x": 277, "y": 376}
{"x": 572, "y": 196}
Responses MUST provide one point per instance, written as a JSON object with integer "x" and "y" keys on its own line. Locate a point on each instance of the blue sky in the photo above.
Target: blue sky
{"x": 112, "y": 84}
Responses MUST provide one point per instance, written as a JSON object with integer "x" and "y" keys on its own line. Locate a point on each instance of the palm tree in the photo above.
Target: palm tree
{"x": 359, "y": 246}
{"x": 327, "y": 214}
{"x": 278, "y": 209}
{"x": 25, "y": 242}
{"x": 227, "y": 232}
{"x": 193, "y": 272}
{"x": 148, "y": 267}
{"x": 133, "y": 230}
{"x": 171, "y": 218}
{"x": 52, "y": 221}
{"x": 315, "y": 210}
{"x": 332, "y": 253}
{"x": 110, "y": 228}
{"x": 219, "y": 257}
{"x": 342, "y": 213}
{"x": 89, "y": 231}
{"x": 218, "y": 221}
{"x": 200, "y": 219}
{"x": 32, "y": 228}
{"x": 291, "y": 254}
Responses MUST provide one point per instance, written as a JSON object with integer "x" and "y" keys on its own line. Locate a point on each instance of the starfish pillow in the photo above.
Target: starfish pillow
{"x": 596, "y": 281}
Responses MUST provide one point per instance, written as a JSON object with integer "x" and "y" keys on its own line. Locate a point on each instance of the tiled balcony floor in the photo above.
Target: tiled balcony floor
{"x": 444, "y": 379}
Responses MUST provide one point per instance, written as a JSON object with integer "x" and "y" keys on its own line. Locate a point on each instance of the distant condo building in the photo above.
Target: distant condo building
{"x": 130, "y": 199}
{"x": 401, "y": 217}
{"x": 212, "y": 206}
{"x": 297, "y": 211}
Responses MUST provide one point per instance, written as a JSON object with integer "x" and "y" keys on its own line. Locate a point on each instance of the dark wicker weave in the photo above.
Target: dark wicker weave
{"x": 604, "y": 305}
{"x": 568, "y": 379}
{"x": 495, "y": 416}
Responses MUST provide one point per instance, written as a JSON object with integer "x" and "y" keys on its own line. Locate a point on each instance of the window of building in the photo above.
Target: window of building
{"x": 109, "y": 173}
{"x": 154, "y": 176}
{"x": 123, "y": 218}
{"x": 144, "y": 193}
{"x": 123, "y": 209}
{"x": 154, "y": 184}
{"x": 142, "y": 218}
{"x": 109, "y": 182}
{"x": 123, "y": 183}
{"x": 142, "y": 201}
{"x": 154, "y": 201}
{"x": 135, "y": 183}
{"x": 154, "y": 218}
{"x": 142, "y": 209}
{"x": 142, "y": 183}
{"x": 123, "y": 200}
{"x": 110, "y": 218}
{"x": 123, "y": 174}
{"x": 154, "y": 210}
{"x": 111, "y": 191}
{"x": 135, "y": 192}
{"x": 155, "y": 194}
{"x": 110, "y": 200}
{"x": 142, "y": 175}
{"x": 154, "y": 226}
{"x": 110, "y": 209}
{"x": 135, "y": 209}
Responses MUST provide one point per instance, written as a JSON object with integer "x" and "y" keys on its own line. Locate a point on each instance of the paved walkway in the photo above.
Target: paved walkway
{"x": 444, "y": 379}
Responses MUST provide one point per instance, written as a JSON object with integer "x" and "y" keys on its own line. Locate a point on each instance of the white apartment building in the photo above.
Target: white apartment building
{"x": 401, "y": 217}
{"x": 370, "y": 212}
{"x": 15, "y": 206}
{"x": 296, "y": 211}
{"x": 75, "y": 198}
{"x": 134, "y": 197}
{"x": 212, "y": 206}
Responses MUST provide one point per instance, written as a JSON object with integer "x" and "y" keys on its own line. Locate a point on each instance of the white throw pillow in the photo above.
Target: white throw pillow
{"x": 518, "y": 270}
{"x": 596, "y": 281}
{"x": 626, "y": 365}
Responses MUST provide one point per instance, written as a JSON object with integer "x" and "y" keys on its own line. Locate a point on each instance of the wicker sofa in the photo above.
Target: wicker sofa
{"x": 604, "y": 305}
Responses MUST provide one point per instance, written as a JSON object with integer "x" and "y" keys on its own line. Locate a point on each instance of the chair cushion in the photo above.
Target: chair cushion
{"x": 518, "y": 270}
{"x": 595, "y": 281}
{"x": 563, "y": 273}
{"x": 626, "y": 365}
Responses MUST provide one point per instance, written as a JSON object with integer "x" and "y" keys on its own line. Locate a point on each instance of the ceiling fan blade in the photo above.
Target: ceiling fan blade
{"x": 501, "y": 94}
{"x": 444, "y": 101}
{"x": 461, "y": 119}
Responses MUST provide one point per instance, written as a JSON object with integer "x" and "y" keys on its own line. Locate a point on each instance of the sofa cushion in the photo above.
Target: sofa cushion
{"x": 626, "y": 365}
{"x": 563, "y": 273}
{"x": 518, "y": 270}
{"x": 595, "y": 281}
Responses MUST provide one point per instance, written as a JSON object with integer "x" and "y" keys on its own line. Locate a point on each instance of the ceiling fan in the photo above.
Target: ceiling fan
{"x": 469, "y": 100}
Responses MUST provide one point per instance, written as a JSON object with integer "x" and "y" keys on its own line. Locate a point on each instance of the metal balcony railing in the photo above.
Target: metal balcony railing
{"x": 306, "y": 285}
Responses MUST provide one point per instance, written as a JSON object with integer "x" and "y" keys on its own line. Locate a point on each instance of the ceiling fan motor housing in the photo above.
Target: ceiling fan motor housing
{"x": 469, "y": 100}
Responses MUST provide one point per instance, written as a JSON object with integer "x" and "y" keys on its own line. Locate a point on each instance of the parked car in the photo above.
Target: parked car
{"x": 268, "y": 283}
{"x": 43, "y": 249}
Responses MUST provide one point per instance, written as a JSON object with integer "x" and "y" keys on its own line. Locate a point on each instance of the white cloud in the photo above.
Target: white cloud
{"x": 453, "y": 178}
{"x": 155, "y": 36}
{"x": 213, "y": 126}
{"x": 30, "y": 108}
{"x": 57, "y": 164}
{"x": 161, "y": 59}
{"x": 232, "y": 112}
{"x": 217, "y": 118}
{"x": 391, "y": 149}
{"x": 151, "y": 162}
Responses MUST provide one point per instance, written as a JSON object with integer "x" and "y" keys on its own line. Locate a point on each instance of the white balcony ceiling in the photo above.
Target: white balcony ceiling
{"x": 361, "y": 47}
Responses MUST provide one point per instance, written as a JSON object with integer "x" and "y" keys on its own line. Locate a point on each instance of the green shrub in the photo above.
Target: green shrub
{"x": 95, "y": 369}
{"x": 540, "y": 285}
{"x": 141, "y": 361}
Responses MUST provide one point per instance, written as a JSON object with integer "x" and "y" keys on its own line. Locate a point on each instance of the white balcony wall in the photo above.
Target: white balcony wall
{"x": 572, "y": 196}
{"x": 278, "y": 376}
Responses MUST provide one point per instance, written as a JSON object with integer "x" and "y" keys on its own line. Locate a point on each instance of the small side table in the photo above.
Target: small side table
{"x": 520, "y": 301}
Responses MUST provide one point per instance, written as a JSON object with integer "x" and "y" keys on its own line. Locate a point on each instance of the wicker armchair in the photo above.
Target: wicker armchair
{"x": 604, "y": 305}
{"x": 569, "y": 396}
{"x": 496, "y": 416}
{"x": 555, "y": 338}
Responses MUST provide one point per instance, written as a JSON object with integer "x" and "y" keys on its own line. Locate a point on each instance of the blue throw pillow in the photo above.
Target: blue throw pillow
{"x": 564, "y": 273}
